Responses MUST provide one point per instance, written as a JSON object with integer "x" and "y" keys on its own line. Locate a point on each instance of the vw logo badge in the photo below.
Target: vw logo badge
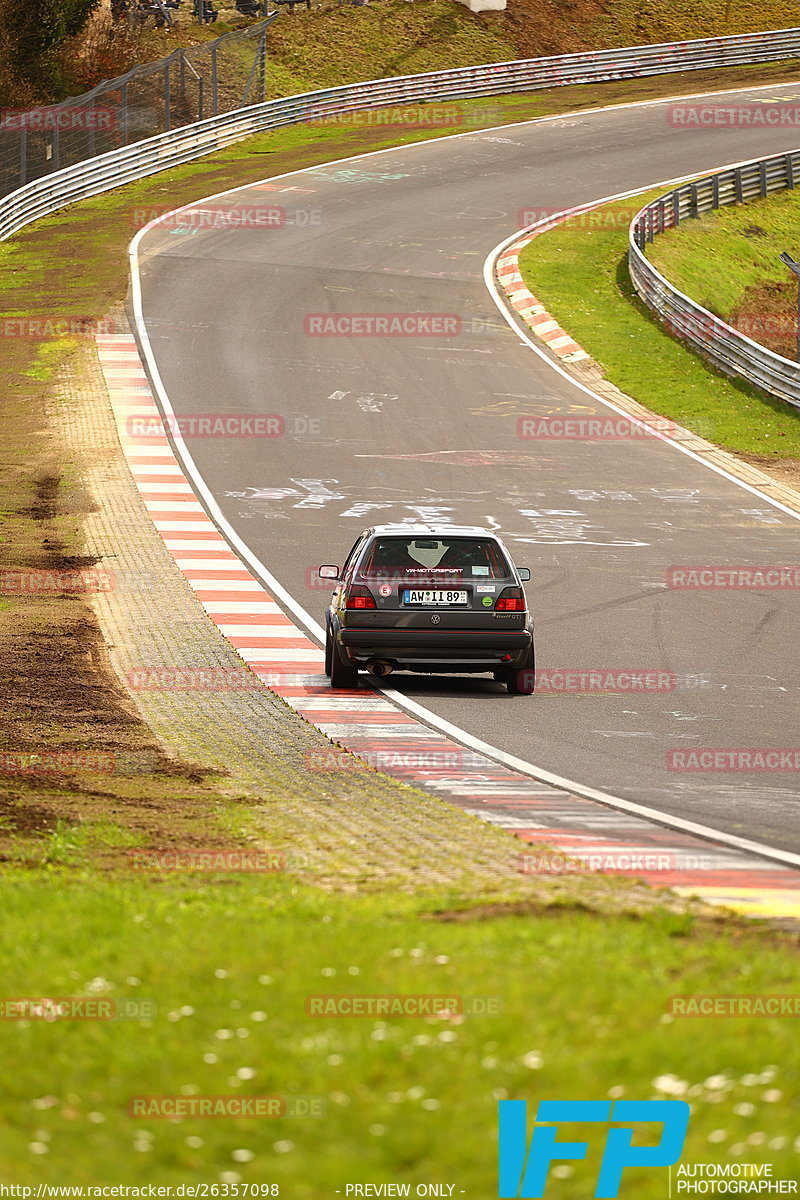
{"x": 435, "y": 619}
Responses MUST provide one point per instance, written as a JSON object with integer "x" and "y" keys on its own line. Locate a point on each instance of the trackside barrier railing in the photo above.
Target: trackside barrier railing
{"x": 126, "y": 163}
{"x": 728, "y": 349}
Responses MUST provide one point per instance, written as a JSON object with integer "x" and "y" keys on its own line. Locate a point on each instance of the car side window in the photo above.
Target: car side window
{"x": 352, "y": 556}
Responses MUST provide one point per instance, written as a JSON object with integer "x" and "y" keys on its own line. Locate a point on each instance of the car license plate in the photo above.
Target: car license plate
{"x": 431, "y": 596}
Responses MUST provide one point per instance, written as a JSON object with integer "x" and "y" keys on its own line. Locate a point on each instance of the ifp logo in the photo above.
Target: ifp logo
{"x": 524, "y": 1170}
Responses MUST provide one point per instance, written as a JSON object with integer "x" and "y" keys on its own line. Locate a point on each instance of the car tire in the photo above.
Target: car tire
{"x": 520, "y": 681}
{"x": 343, "y": 675}
{"x": 328, "y": 650}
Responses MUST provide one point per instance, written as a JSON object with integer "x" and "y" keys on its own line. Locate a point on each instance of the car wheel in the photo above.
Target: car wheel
{"x": 328, "y": 650}
{"x": 343, "y": 675}
{"x": 520, "y": 681}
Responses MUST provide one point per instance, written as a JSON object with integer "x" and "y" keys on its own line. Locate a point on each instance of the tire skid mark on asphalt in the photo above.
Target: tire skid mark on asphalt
{"x": 555, "y": 822}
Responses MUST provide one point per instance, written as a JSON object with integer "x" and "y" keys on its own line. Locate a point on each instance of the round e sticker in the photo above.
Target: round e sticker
{"x": 488, "y": 601}
{"x": 385, "y": 590}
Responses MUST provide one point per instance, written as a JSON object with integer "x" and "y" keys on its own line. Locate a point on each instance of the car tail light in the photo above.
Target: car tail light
{"x": 359, "y": 597}
{"x": 511, "y": 599}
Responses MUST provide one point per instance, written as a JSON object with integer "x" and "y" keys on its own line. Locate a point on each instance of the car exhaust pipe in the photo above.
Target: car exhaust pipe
{"x": 379, "y": 667}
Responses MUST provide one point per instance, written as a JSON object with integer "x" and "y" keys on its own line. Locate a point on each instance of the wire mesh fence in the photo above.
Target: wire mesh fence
{"x": 187, "y": 86}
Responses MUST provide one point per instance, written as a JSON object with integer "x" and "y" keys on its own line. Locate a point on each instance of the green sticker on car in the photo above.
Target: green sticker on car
{"x": 488, "y": 601}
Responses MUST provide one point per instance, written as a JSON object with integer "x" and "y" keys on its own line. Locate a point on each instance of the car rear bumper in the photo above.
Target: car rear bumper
{"x": 475, "y": 649}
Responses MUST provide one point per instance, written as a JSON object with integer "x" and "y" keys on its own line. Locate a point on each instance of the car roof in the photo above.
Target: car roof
{"x": 434, "y": 530}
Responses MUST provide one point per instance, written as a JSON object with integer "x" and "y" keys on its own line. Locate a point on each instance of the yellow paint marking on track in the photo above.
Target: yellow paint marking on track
{"x": 751, "y": 902}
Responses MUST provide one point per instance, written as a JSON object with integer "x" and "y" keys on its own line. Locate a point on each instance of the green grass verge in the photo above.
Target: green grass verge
{"x": 729, "y": 262}
{"x": 624, "y": 22}
{"x": 407, "y": 1099}
{"x": 579, "y": 272}
{"x": 718, "y": 258}
{"x": 335, "y": 45}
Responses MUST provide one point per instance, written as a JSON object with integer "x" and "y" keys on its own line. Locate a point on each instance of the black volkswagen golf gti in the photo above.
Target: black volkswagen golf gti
{"x": 434, "y": 598}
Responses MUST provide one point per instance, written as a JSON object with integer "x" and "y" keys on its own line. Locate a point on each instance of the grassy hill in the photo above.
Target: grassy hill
{"x": 338, "y": 43}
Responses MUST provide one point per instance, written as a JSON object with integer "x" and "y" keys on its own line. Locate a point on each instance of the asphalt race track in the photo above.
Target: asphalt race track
{"x": 381, "y": 429}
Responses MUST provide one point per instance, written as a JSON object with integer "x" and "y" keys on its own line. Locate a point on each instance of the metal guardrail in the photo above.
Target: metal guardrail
{"x": 126, "y": 163}
{"x": 730, "y": 350}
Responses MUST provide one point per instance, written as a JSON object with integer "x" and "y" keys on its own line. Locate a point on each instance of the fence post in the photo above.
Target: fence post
{"x": 789, "y": 160}
{"x": 167, "y": 113}
{"x": 762, "y": 179}
{"x": 715, "y": 192}
{"x": 676, "y": 208}
{"x": 254, "y": 71}
{"x": 214, "y": 91}
{"x": 124, "y": 114}
{"x": 737, "y": 177}
{"x": 92, "y": 148}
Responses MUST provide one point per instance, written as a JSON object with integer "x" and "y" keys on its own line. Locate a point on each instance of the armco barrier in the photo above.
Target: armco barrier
{"x": 724, "y": 346}
{"x": 127, "y": 163}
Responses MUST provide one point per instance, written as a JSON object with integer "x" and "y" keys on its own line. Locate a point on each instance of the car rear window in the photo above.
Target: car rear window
{"x": 466, "y": 558}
